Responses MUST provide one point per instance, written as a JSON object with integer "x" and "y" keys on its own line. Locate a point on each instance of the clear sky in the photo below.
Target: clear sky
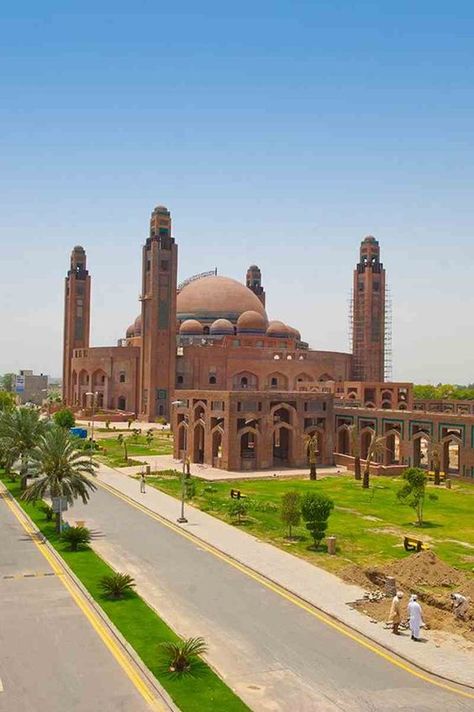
{"x": 276, "y": 132}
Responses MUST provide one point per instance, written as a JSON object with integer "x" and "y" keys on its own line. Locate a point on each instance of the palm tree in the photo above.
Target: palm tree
{"x": 184, "y": 653}
{"x": 376, "y": 446}
{"x": 20, "y": 431}
{"x": 65, "y": 470}
{"x": 355, "y": 449}
{"x": 436, "y": 457}
{"x": 311, "y": 443}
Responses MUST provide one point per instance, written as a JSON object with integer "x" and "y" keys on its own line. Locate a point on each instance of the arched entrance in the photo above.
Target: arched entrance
{"x": 365, "y": 440}
{"x": 343, "y": 441}
{"x": 451, "y": 455}
{"x": 198, "y": 445}
{"x": 392, "y": 448}
{"x": 282, "y": 446}
{"x": 121, "y": 403}
{"x": 216, "y": 447}
{"x": 421, "y": 448}
{"x": 248, "y": 450}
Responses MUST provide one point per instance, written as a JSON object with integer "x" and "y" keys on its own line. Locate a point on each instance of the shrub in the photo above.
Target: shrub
{"x": 48, "y": 512}
{"x": 184, "y": 654}
{"x": 161, "y": 420}
{"x": 64, "y": 418}
{"x": 116, "y": 585}
{"x": 237, "y": 508}
{"x": 259, "y": 505}
{"x": 290, "y": 510}
{"x": 75, "y": 536}
{"x": 316, "y": 509}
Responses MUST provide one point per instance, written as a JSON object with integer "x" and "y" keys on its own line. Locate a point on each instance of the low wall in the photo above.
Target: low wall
{"x": 375, "y": 467}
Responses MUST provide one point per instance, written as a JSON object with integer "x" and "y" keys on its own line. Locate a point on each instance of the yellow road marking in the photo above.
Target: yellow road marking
{"x": 282, "y": 592}
{"x": 99, "y": 627}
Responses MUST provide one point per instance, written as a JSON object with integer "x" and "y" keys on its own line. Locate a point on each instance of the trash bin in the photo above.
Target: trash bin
{"x": 331, "y": 541}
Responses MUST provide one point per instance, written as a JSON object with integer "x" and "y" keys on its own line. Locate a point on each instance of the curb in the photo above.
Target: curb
{"x": 129, "y": 650}
{"x": 331, "y": 615}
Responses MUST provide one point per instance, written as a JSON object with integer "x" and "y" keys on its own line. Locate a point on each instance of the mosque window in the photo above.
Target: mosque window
{"x": 212, "y": 380}
{"x": 122, "y": 377}
{"x": 180, "y": 380}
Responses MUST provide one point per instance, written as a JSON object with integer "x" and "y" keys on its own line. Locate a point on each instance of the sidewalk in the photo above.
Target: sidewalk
{"x": 311, "y": 583}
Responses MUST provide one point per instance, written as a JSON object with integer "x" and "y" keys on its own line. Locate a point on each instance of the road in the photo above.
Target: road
{"x": 276, "y": 655}
{"x": 51, "y": 657}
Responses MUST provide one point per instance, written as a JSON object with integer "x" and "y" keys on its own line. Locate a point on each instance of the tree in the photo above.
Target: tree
{"x": 21, "y": 430}
{"x": 354, "y": 435}
{"x": 64, "y": 418}
{"x": 7, "y": 381}
{"x": 7, "y": 401}
{"x": 316, "y": 509}
{"x": 116, "y": 585}
{"x": 413, "y": 492}
{"x": 183, "y": 654}
{"x": 311, "y": 442}
{"x": 123, "y": 442}
{"x": 376, "y": 446}
{"x": 291, "y": 510}
{"x": 64, "y": 471}
{"x": 75, "y": 536}
{"x": 238, "y": 508}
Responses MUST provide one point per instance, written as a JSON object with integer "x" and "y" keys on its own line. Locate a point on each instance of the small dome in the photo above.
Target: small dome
{"x": 251, "y": 322}
{"x": 130, "y": 331}
{"x": 278, "y": 329}
{"x": 191, "y": 327}
{"x": 294, "y": 332}
{"x": 161, "y": 209}
{"x": 78, "y": 248}
{"x": 221, "y": 327}
{"x": 138, "y": 325}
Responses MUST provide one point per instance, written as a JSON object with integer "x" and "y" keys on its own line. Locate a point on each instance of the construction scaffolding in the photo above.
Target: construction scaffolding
{"x": 388, "y": 364}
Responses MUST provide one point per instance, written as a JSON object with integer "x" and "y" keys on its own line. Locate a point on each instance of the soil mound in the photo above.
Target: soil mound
{"x": 425, "y": 569}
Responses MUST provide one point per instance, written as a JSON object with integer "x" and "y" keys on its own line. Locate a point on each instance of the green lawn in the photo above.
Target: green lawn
{"x": 141, "y": 627}
{"x": 112, "y": 452}
{"x": 369, "y": 524}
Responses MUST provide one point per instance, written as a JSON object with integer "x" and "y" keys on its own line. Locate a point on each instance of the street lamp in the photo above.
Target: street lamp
{"x": 182, "y": 519}
{"x": 94, "y": 396}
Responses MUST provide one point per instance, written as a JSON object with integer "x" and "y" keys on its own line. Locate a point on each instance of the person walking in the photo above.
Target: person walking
{"x": 415, "y": 616}
{"x": 395, "y": 616}
{"x": 460, "y": 605}
{"x": 142, "y": 483}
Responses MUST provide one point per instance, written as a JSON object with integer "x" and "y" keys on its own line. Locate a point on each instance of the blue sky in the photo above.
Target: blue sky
{"x": 276, "y": 132}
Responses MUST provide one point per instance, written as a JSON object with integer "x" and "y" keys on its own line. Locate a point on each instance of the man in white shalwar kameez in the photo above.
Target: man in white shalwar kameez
{"x": 415, "y": 617}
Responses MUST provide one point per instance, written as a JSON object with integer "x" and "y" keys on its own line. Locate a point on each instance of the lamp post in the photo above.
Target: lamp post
{"x": 93, "y": 395}
{"x": 182, "y": 519}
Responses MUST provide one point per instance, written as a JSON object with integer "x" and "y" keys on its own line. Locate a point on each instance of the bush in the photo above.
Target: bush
{"x": 316, "y": 509}
{"x": 237, "y": 508}
{"x": 413, "y": 492}
{"x": 184, "y": 654}
{"x": 48, "y": 512}
{"x": 290, "y": 510}
{"x": 116, "y": 585}
{"x": 64, "y": 418}
{"x": 75, "y": 536}
{"x": 258, "y": 505}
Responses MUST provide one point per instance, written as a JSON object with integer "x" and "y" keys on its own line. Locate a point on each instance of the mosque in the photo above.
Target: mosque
{"x": 243, "y": 391}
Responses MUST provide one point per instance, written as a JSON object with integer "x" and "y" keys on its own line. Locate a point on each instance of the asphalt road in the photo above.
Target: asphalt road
{"x": 274, "y": 654}
{"x": 50, "y": 656}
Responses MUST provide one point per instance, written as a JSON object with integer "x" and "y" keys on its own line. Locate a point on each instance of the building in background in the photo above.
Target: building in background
{"x": 29, "y": 388}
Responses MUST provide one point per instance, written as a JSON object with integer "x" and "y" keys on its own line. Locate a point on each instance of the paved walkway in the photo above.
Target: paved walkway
{"x": 212, "y": 474}
{"x": 311, "y": 583}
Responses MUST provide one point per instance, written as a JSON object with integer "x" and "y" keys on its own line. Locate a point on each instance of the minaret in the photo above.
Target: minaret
{"x": 254, "y": 282}
{"x": 77, "y": 304}
{"x": 158, "y": 351}
{"x": 368, "y": 328}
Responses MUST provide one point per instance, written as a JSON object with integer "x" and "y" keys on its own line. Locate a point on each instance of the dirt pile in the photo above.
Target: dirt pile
{"x": 424, "y": 569}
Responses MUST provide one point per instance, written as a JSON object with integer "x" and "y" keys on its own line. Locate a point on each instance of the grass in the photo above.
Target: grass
{"x": 369, "y": 524}
{"x": 112, "y": 452}
{"x": 140, "y": 626}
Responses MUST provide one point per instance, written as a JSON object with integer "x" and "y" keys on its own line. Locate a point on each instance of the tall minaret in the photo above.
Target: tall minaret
{"x": 77, "y": 306}
{"x": 158, "y": 351}
{"x": 368, "y": 328}
{"x": 254, "y": 282}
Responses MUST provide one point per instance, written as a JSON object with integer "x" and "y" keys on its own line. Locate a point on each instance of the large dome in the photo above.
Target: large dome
{"x": 216, "y": 297}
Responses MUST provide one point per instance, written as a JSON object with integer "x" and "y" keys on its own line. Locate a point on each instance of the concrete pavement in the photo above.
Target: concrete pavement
{"x": 51, "y": 657}
{"x": 275, "y": 651}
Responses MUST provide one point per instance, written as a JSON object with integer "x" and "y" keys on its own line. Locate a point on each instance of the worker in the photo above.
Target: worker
{"x": 395, "y": 614}
{"x": 415, "y": 616}
{"x": 460, "y": 605}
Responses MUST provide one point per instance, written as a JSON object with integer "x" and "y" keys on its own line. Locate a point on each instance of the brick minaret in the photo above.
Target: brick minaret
{"x": 254, "y": 282}
{"x": 368, "y": 329}
{"x": 158, "y": 353}
{"x": 77, "y": 307}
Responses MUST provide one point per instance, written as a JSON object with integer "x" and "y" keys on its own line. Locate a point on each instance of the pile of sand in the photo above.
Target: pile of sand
{"x": 424, "y": 569}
